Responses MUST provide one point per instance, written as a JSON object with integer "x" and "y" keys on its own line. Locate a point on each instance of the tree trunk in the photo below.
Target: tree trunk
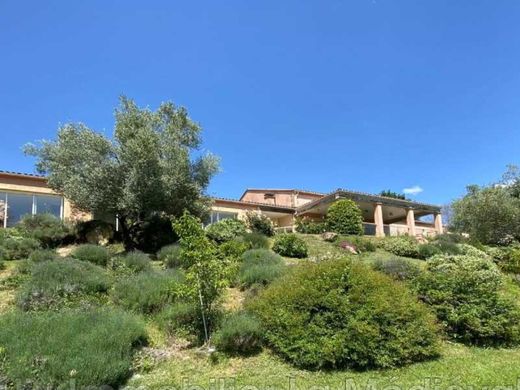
{"x": 125, "y": 234}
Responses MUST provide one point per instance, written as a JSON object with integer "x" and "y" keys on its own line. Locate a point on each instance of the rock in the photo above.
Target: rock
{"x": 329, "y": 236}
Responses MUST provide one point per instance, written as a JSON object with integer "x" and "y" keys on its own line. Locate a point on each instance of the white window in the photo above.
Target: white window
{"x": 220, "y": 215}
{"x": 14, "y": 206}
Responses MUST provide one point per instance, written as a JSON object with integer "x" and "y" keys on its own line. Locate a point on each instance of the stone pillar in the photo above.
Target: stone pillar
{"x": 438, "y": 223}
{"x": 410, "y": 221}
{"x": 378, "y": 219}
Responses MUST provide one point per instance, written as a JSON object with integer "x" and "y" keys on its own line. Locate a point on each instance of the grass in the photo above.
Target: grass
{"x": 460, "y": 365}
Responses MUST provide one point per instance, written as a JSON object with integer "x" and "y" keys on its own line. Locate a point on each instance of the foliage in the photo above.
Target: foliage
{"x": 404, "y": 246}
{"x": 470, "y": 250}
{"x": 260, "y": 267}
{"x": 49, "y": 349}
{"x": 345, "y": 217}
{"x": 170, "y": 255}
{"x": 205, "y": 270}
{"x": 2, "y": 264}
{"x": 144, "y": 169}
{"x": 92, "y": 253}
{"x": 18, "y": 247}
{"x": 290, "y": 245}
{"x": 448, "y": 243}
{"x": 94, "y": 232}
{"x": 226, "y": 230}
{"x": 259, "y": 223}
{"x": 428, "y": 250}
{"x": 507, "y": 259}
{"x": 255, "y": 240}
{"x": 306, "y": 225}
{"x": 397, "y": 268}
{"x": 233, "y": 248}
{"x": 465, "y": 292}
{"x": 185, "y": 319}
{"x": 137, "y": 261}
{"x": 46, "y": 228}
{"x": 392, "y": 194}
{"x": 153, "y": 233}
{"x": 148, "y": 292}
{"x": 489, "y": 215}
{"x": 54, "y": 284}
{"x": 240, "y": 333}
{"x": 342, "y": 314}
{"x": 41, "y": 255}
{"x": 360, "y": 243}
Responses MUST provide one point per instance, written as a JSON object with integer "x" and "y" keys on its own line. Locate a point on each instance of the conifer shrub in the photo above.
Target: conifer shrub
{"x": 19, "y": 247}
{"x": 255, "y": 240}
{"x": 345, "y": 217}
{"x": 240, "y": 333}
{"x": 260, "y": 267}
{"x": 41, "y": 255}
{"x": 49, "y": 230}
{"x": 338, "y": 314}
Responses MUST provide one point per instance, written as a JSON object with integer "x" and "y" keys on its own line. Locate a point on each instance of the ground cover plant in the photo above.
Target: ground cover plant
{"x": 53, "y": 349}
{"x": 240, "y": 333}
{"x": 260, "y": 267}
{"x": 338, "y": 314}
{"x": 94, "y": 254}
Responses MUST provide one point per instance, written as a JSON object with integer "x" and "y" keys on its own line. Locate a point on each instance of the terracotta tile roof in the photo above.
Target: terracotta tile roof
{"x": 283, "y": 190}
{"x": 22, "y": 174}
{"x": 252, "y": 203}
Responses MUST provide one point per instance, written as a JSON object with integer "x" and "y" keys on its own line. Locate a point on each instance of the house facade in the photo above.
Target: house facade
{"x": 22, "y": 194}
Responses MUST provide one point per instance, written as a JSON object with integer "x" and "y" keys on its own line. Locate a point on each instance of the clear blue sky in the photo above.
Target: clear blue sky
{"x": 360, "y": 94}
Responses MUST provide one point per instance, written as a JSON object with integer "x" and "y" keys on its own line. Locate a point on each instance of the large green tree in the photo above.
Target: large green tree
{"x": 151, "y": 166}
{"x": 490, "y": 214}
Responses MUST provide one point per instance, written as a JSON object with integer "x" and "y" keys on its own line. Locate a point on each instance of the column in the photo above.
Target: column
{"x": 438, "y": 223}
{"x": 410, "y": 221}
{"x": 378, "y": 219}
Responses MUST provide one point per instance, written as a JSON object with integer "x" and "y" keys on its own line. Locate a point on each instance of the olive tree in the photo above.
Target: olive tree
{"x": 149, "y": 167}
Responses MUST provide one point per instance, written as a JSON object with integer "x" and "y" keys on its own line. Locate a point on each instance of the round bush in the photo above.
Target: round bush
{"x": 466, "y": 294}
{"x": 55, "y": 284}
{"x": 170, "y": 255}
{"x": 404, "y": 246}
{"x": 49, "y": 230}
{"x": 137, "y": 261}
{"x": 260, "y": 266}
{"x": 17, "y": 248}
{"x": 345, "y": 217}
{"x": 255, "y": 240}
{"x": 92, "y": 253}
{"x": 338, "y": 314}
{"x": 148, "y": 292}
{"x": 260, "y": 223}
{"x": 240, "y": 333}
{"x": 226, "y": 230}
{"x": 397, "y": 268}
{"x": 290, "y": 245}
{"x": 41, "y": 255}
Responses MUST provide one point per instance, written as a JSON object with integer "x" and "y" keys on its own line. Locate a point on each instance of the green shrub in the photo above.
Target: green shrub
{"x": 240, "y": 333}
{"x": 428, "y": 250}
{"x": 137, "y": 261}
{"x": 470, "y": 250}
{"x": 170, "y": 255}
{"x": 404, "y": 246}
{"x": 260, "y": 223}
{"x": 17, "y": 248}
{"x": 58, "y": 283}
{"x": 290, "y": 245}
{"x": 92, "y": 253}
{"x": 466, "y": 294}
{"x": 397, "y": 268}
{"x": 360, "y": 243}
{"x": 226, "y": 230}
{"x": 185, "y": 319}
{"x": 46, "y": 228}
{"x": 94, "y": 232}
{"x": 41, "y": 255}
{"x": 260, "y": 266}
{"x": 153, "y": 233}
{"x": 2, "y": 253}
{"x": 2, "y": 265}
{"x": 510, "y": 261}
{"x": 255, "y": 240}
{"x": 345, "y": 217}
{"x": 342, "y": 314}
{"x": 50, "y": 349}
{"x": 308, "y": 226}
{"x": 233, "y": 248}
{"x": 148, "y": 292}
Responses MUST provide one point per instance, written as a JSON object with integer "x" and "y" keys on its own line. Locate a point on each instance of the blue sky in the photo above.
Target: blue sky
{"x": 360, "y": 94}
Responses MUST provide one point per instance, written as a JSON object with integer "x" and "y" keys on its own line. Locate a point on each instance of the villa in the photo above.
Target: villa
{"x": 22, "y": 194}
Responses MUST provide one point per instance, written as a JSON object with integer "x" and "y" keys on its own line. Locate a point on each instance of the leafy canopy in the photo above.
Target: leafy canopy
{"x": 147, "y": 167}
